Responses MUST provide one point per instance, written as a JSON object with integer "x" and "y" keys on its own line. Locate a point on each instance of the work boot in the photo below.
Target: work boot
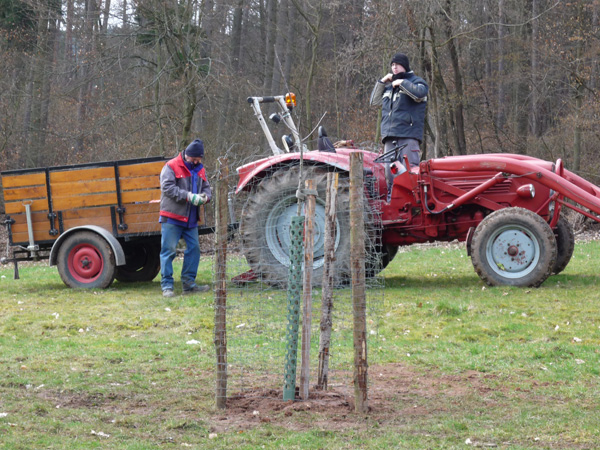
{"x": 196, "y": 289}
{"x": 168, "y": 293}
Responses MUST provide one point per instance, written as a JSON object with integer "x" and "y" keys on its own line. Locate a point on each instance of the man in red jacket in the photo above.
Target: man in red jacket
{"x": 184, "y": 188}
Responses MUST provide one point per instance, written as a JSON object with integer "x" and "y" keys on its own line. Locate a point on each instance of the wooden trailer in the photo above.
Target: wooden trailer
{"x": 95, "y": 222}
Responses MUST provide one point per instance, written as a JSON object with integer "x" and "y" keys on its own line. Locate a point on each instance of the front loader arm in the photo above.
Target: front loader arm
{"x": 551, "y": 175}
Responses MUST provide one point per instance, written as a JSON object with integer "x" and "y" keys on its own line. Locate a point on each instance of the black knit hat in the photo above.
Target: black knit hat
{"x": 195, "y": 149}
{"x": 402, "y": 59}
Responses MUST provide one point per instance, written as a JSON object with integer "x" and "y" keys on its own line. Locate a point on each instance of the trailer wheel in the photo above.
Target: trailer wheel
{"x": 514, "y": 247}
{"x": 264, "y": 227}
{"x": 142, "y": 262}
{"x": 86, "y": 260}
{"x": 565, "y": 245}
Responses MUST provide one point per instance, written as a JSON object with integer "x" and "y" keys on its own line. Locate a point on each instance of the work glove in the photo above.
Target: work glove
{"x": 397, "y": 83}
{"x": 197, "y": 199}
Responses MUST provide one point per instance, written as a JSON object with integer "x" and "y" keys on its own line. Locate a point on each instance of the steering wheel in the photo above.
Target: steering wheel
{"x": 391, "y": 156}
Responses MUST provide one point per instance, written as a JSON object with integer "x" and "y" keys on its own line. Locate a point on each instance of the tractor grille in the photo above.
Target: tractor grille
{"x": 503, "y": 187}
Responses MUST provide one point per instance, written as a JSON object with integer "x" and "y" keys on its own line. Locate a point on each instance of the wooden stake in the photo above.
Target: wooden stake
{"x": 357, "y": 264}
{"x": 309, "y": 220}
{"x": 220, "y": 338}
{"x": 327, "y": 291}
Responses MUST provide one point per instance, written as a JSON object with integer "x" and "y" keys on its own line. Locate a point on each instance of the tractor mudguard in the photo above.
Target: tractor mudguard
{"x": 340, "y": 160}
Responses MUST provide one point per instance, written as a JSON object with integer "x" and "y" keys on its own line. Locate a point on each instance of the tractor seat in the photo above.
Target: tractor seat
{"x": 324, "y": 144}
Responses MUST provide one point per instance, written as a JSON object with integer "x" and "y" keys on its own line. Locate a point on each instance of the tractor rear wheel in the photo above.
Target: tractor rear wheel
{"x": 513, "y": 247}
{"x": 86, "y": 260}
{"x": 565, "y": 245}
{"x": 265, "y": 223}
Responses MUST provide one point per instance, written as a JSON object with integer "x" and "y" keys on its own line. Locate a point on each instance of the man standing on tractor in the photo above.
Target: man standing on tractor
{"x": 184, "y": 188}
{"x": 403, "y": 99}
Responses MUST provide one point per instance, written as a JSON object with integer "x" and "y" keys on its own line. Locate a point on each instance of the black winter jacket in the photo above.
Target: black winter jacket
{"x": 402, "y": 108}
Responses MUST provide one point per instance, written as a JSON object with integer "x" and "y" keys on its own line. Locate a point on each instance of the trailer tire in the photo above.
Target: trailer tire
{"x": 142, "y": 262}
{"x": 264, "y": 227}
{"x": 86, "y": 260}
{"x": 565, "y": 245}
{"x": 513, "y": 247}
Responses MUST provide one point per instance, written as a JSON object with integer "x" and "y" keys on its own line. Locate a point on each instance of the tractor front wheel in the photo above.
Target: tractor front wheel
{"x": 86, "y": 260}
{"x": 513, "y": 247}
{"x": 565, "y": 245}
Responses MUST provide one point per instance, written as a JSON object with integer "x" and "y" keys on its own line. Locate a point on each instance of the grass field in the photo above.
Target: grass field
{"x": 453, "y": 365}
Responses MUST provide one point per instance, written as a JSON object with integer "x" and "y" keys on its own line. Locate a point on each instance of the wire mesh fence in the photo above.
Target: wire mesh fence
{"x": 256, "y": 277}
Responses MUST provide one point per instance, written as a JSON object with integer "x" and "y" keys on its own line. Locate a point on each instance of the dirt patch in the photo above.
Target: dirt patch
{"x": 396, "y": 392}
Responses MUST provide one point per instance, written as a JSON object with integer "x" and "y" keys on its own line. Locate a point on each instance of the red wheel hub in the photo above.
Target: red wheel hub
{"x": 85, "y": 263}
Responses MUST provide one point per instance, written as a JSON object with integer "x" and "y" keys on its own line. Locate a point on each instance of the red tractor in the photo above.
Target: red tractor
{"x": 505, "y": 206}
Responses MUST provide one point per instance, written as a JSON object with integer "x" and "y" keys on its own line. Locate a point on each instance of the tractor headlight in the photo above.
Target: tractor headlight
{"x": 526, "y": 191}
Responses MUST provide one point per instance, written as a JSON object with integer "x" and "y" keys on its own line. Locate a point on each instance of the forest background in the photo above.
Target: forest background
{"x": 95, "y": 80}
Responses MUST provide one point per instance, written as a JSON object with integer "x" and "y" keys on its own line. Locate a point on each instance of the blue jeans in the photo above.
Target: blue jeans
{"x": 191, "y": 257}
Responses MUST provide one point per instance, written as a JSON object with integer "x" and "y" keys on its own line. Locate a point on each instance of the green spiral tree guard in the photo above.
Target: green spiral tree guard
{"x": 294, "y": 292}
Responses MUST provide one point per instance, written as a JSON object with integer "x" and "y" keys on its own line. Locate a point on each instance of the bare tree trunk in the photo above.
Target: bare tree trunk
{"x": 69, "y": 30}
{"x": 579, "y": 94}
{"x": 309, "y": 81}
{"x": 41, "y": 84}
{"x": 314, "y": 26}
{"x": 46, "y": 87}
{"x": 190, "y": 106}
{"x": 37, "y": 73}
{"x": 433, "y": 108}
{"x": 158, "y": 100}
{"x": 209, "y": 24}
{"x": 594, "y": 62}
{"x": 27, "y": 128}
{"x": 578, "y": 131}
{"x": 290, "y": 39}
{"x": 262, "y": 29}
{"x": 327, "y": 292}
{"x": 489, "y": 53}
{"x": 522, "y": 98}
{"x": 85, "y": 74}
{"x": 105, "y": 15}
{"x": 457, "y": 105}
{"x": 236, "y": 35}
{"x": 443, "y": 102}
{"x": 501, "y": 113}
{"x": 279, "y": 47}
{"x": 533, "y": 111}
{"x": 270, "y": 45}
{"x": 125, "y": 14}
